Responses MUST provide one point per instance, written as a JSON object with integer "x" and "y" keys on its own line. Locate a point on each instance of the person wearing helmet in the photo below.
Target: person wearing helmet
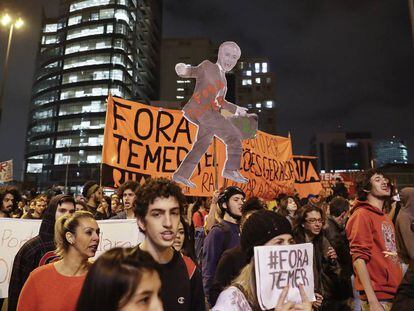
{"x": 224, "y": 235}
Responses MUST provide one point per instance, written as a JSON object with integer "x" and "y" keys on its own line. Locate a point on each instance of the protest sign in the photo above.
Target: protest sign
{"x": 6, "y": 171}
{"x": 142, "y": 141}
{"x": 328, "y": 181}
{"x": 15, "y": 232}
{"x": 307, "y": 179}
{"x": 278, "y": 266}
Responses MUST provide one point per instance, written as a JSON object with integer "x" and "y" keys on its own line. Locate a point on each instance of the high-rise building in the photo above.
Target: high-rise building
{"x": 250, "y": 84}
{"x": 342, "y": 151}
{"x": 255, "y": 89}
{"x": 390, "y": 151}
{"x": 94, "y": 48}
{"x": 191, "y": 51}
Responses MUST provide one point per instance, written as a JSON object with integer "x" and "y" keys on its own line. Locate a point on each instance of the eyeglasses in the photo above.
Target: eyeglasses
{"x": 313, "y": 221}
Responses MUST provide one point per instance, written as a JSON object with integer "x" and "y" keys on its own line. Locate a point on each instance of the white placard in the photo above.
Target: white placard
{"x": 6, "y": 171}
{"x": 278, "y": 266}
{"x": 15, "y": 232}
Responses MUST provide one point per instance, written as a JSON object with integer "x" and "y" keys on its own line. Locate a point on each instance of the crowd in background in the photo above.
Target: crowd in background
{"x": 198, "y": 251}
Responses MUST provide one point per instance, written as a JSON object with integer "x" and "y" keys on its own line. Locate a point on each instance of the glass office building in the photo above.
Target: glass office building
{"x": 95, "y": 48}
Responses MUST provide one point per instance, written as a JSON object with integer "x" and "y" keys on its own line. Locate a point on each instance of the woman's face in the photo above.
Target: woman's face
{"x": 291, "y": 206}
{"x": 79, "y": 207}
{"x": 86, "y": 239}
{"x": 179, "y": 238}
{"x": 313, "y": 223}
{"x": 147, "y": 294}
{"x": 281, "y": 239}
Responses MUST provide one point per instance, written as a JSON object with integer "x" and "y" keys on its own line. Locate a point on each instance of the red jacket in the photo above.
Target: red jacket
{"x": 370, "y": 232}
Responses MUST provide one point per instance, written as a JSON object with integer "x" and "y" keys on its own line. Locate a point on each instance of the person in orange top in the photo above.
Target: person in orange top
{"x": 57, "y": 286}
{"x": 372, "y": 243}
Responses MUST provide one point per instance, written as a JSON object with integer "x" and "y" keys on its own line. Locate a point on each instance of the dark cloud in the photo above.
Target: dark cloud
{"x": 336, "y": 62}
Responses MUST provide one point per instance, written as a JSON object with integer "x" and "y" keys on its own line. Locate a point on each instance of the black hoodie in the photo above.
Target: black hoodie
{"x": 36, "y": 252}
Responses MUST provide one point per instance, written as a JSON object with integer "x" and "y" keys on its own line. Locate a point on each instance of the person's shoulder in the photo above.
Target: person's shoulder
{"x": 30, "y": 247}
{"x": 43, "y": 270}
{"x": 231, "y": 299}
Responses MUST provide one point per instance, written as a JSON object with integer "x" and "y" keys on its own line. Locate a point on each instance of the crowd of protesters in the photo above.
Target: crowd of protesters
{"x": 197, "y": 253}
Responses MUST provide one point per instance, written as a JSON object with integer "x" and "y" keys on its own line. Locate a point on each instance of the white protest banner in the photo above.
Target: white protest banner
{"x": 15, "y": 232}
{"x": 6, "y": 171}
{"x": 278, "y": 266}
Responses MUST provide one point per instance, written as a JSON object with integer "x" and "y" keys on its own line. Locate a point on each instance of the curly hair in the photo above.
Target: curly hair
{"x": 363, "y": 183}
{"x": 154, "y": 188}
{"x": 131, "y": 185}
{"x": 10, "y": 190}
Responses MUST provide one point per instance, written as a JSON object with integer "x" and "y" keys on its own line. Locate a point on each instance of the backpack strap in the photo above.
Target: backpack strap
{"x": 190, "y": 265}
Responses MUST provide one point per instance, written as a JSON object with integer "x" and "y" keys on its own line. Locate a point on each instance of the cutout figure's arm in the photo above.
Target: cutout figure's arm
{"x": 186, "y": 71}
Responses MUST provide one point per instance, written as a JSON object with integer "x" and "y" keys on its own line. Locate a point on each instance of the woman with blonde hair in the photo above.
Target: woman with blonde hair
{"x": 56, "y": 286}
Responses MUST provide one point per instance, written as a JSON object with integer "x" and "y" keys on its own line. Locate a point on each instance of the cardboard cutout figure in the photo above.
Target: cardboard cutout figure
{"x": 204, "y": 109}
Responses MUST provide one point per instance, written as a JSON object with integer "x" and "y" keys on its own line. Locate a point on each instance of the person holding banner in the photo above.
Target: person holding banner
{"x": 203, "y": 110}
{"x": 263, "y": 227}
{"x": 57, "y": 286}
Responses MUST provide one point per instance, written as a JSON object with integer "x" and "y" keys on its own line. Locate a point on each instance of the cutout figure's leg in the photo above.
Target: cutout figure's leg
{"x": 200, "y": 146}
{"x": 231, "y": 137}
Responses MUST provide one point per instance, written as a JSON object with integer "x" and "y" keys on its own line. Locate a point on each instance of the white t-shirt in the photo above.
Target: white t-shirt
{"x": 231, "y": 299}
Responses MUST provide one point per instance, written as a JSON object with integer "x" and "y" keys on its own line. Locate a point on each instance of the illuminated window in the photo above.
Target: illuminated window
{"x": 87, "y": 4}
{"x": 258, "y": 105}
{"x": 85, "y": 31}
{"x": 179, "y": 97}
{"x": 50, "y": 28}
{"x": 256, "y": 67}
{"x": 49, "y": 39}
{"x": 268, "y": 80}
{"x": 73, "y": 20}
{"x": 257, "y": 80}
{"x": 180, "y": 89}
{"x": 269, "y": 104}
{"x": 106, "y": 13}
{"x": 248, "y": 73}
{"x": 351, "y": 144}
{"x": 122, "y": 15}
{"x": 264, "y": 67}
{"x": 34, "y": 168}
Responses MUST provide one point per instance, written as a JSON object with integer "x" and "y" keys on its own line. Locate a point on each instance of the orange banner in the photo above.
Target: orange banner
{"x": 142, "y": 141}
{"x": 307, "y": 179}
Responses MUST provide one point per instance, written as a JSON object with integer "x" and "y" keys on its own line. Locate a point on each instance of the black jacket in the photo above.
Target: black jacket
{"x": 336, "y": 235}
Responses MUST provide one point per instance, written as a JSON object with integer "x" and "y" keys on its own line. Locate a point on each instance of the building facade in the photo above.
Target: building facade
{"x": 390, "y": 151}
{"x": 95, "y": 48}
{"x": 343, "y": 151}
{"x": 255, "y": 89}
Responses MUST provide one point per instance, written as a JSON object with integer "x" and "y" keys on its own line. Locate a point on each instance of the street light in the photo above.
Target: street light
{"x": 8, "y": 21}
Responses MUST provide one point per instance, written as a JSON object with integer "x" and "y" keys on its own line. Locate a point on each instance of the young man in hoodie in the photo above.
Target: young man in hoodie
{"x": 372, "y": 243}
{"x": 39, "y": 250}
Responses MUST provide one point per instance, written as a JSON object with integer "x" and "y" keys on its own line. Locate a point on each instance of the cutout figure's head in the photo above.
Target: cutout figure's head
{"x": 228, "y": 55}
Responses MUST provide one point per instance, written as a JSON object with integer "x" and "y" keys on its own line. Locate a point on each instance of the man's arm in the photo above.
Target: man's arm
{"x": 363, "y": 275}
{"x": 197, "y": 293}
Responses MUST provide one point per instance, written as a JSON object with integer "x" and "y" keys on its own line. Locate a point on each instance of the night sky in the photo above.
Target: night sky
{"x": 344, "y": 65}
